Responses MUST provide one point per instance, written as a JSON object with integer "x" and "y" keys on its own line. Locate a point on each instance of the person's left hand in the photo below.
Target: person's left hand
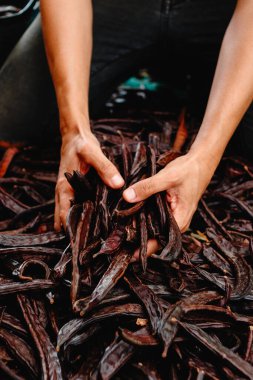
{"x": 184, "y": 179}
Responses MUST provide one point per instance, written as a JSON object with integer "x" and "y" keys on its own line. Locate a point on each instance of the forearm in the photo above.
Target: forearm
{"x": 232, "y": 89}
{"x": 67, "y": 30}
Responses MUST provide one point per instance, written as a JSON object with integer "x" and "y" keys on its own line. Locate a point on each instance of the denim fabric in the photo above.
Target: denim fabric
{"x": 182, "y": 34}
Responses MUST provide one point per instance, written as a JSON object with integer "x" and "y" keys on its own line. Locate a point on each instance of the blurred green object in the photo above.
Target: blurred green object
{"x": 141, "y": 82}
{"x": 15, "y": 17}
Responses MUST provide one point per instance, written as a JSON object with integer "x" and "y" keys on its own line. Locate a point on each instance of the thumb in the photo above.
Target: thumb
{"x": 147, "y": 187}
{"x": 106, "y": 170}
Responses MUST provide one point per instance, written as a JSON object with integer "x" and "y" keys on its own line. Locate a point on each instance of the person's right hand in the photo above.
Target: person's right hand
{"x": 79, "y": 151}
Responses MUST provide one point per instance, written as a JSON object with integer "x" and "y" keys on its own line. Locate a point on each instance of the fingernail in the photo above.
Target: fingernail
{"x": 130, "y": 194}
{"x": 117, "y": 180}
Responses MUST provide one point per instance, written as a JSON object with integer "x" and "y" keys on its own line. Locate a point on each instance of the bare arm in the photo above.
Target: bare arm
{"x": 67, "y": 29}
{"x": 232, "y": 89}
{"x": 186, "y": 178}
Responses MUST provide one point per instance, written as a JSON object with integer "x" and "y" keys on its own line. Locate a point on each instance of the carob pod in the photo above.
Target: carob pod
{"x": 110, "y": 278}
{"x": 212, "y": 344}
{"x": 74, "y": 326}
{"x": 51, "y": 368}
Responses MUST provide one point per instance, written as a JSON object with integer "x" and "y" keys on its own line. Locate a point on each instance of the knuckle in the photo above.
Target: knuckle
{"x": 80, "y": 149}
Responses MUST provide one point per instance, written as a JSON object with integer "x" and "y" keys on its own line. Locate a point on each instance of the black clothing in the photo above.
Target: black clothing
{"x": 182, "y": 34}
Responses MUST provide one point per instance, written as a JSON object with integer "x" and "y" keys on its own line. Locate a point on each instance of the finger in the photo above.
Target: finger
{"x": 147, "y": 187}
{"x": 57, "y": 221}
{"x": 153, "y": 247}
{"x": 64, "y": 208}
{"x": 108, "y": 172}
{"x": 104, "y": 167}
{"x": 66, "y": 193}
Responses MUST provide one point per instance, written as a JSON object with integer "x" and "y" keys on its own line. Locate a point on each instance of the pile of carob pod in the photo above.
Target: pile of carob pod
{"x": 75, "y": 305}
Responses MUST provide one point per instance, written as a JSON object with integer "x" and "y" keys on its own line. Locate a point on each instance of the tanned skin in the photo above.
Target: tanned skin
{"x": 68, "y": 41}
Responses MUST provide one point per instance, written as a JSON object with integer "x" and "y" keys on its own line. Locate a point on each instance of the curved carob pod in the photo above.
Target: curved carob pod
{"x": 20, "y": 287}
{"x": 72, "y": 220}
{"x": 116, "y": 295}
{"x": 217, "y": 260}
{"x": 82, "y": 338}
{"x": 113, "y": 242}
{"x": 139, "y": 163}
{"x": 168, "y": 325}
{"x": 162, "y": 212}
{"x": 148, "y": 298}
{"x": 141, "y": 337}
{"x": 61, "y": 266}
{"x": 210, "y": 316}
{"x": 123, "y": 213}
{"x": 172, "y": 290}
{"x": 78, "y": 244}
{"x": 200, "y": 365}
{"x": 212, "y": 344}
{"x": 173, "y": 248}
{"x": 115, "y": 271}
{"x": 39, "y": 307}
{"x": 152, "y": 152}
{"x": 103, "y": 211}
{"x": 152, "y": 225}
{"x": 89, "y": 250}
{"x": 116, "y": 355}
{"x": 27, "y": 214}
{"x": 154, "y": 142}
{"x": 243, "y": 271}
{"x": 74, "y": 326}
{"x": 211, "y": 220}
{"x": 50, "y": 365}
{"x": 13, "y": 324}
{"x": 31, "y": 239}
{"x": 21, "y": 351}
{"x": 12, "y": 204}
{"x": 126, "y": 156}
{"x": 214, "y": 278}
{"x": 167, "y": 157}
{"x": 31, "y": 225}
{"x": 32, "y": 269}
{"x": 143, "y": 233}
{"x": 9, "y": 372}
{"x": 241, "y": 204}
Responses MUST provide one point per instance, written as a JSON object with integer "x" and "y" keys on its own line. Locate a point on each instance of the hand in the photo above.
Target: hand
{"x": 79, "y": 151}
{"x": 184, "y": 179}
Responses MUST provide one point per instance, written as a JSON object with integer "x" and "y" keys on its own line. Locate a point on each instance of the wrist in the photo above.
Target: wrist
{"x": 74, "y": 122}
{"x": 208, "y": 147}
{"x": 73, "y": 111}
{"x": 207, "y": 160}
